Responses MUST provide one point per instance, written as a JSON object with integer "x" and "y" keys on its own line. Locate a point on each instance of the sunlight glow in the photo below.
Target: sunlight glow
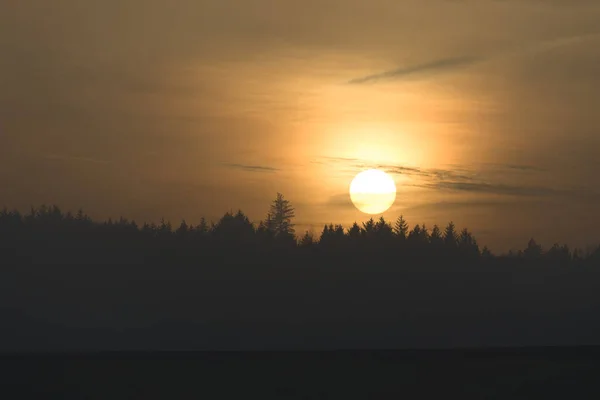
{"x": 373, "y": 191}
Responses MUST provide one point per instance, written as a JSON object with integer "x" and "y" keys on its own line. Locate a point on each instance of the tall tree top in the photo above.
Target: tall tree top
{"x": 280, "y": 216}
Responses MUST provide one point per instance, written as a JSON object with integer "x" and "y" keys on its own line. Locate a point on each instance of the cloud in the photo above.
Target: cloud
{"x": 569, "y": 193}
{"x": 437, "y": 66}
{"x": 340, "y": 200}
{"x": 337, "y": 159}
{"x": 356, "y": 165}
{"x": 490, "y": 188}
{"x": 459, "y": 173}
{"x": 252, "y": 168}
{"x": 448, "y": 64}
{"x": 464, "y": 178}
{"x": 443, "y": 206}
{"x": 394, "y": 169}
{"x": 522, "y": 167}
{"x": 433, "y": 173}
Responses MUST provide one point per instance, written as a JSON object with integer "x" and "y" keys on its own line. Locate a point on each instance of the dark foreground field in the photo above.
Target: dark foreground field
{"x": 526, "y": 373}
{"x": 102, "y": 288}
{"x": 294, "y": 307}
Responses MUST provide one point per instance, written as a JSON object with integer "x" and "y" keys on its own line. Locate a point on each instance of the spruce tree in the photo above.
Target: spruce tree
{"x": 279, "y": 219}
{"x": 401, "y": 228}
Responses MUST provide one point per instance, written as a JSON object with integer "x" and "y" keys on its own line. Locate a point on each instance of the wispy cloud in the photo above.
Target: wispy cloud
{"x": 437, "y": 66}
{"x": 433, "y": 173}
{"x": 447, "y": 64}
{"x": 252, "y": 168}
{"x": 464, "y": 180}
{"x": 454, "y": 205}
{"x": 523, "y": 167}
{"x": 490, "y": 188}
{"x": 340, "y": 200}
{"x": 356, "y": 165}
{"x": 472, "y": 179}
{"x": 335, "y": 159}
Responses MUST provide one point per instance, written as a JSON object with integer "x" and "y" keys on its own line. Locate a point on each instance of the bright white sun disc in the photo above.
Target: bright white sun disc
{"x": 373, "y": 191}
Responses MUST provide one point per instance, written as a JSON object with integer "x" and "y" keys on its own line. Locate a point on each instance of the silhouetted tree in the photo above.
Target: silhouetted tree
{"x": 202, "y": 228}
{"x": 332, "y": 236}
{"x": 424, "y": 234}
{"x": 279, "y": 219}
{"x": 415, "y": 237}
{"x": 435, "y": 238}
{"x": 383, "y": 230}
{"x": 450, "y": 237}
{"x": 324, "y": 238}
{"x": 236, "y": 228}
{"x": 401, "y": 228}
{"x": 354, "y": 233}
{"x": 339, "y": 233}
{"x": 467, "y": 244}
{"x": 533, "y": 250}
{"x": 165, "y": 229}
{"x": 369, "y": 228}
{"x": 183, "y": 231}
{"x": 486, "y": 253}
{"x": 559, "y": 254}
{"x": 307, "y": 240}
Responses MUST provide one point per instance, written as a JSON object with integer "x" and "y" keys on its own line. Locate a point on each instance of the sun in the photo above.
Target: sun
{"x": 373, "y": 191}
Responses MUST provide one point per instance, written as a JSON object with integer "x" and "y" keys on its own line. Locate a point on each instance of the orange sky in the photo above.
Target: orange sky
{"x": 485, "y": 112}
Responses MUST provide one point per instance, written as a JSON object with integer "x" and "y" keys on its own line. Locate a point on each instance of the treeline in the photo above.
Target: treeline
{"x": 68, "y": 282}
{"x": 49, "y": 235}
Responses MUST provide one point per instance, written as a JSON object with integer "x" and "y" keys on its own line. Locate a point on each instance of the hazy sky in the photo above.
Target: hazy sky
{"x": 487, "y": 112}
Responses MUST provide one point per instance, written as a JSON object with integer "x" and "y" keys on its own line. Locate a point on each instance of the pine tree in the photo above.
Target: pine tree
{"x": 354, "y": 233}
{"x": 325, "y": 237}
{"x": 383, "y": 230}
{"x": 234, "y": 227}
{"x": 415, "y": 235}
{"x": 401, "y": 228}
{"x": 307, "y": 240}
{"x": 79, "y": 216}
{"x": 263, "y": 233}
{"x": 165, "y": 227}
{"x": 467, "y": 243}
{"x": 369, "y": 227}
{"x": 279, "y": 219}
{"x": 450, "y": 237}
{"x": 183, "y": 229}
{"x": 202, "y": 228}
{"x": 533, "y": 249}
{"x": 435, "y": 238}
{"x": 424, "y": 234}
{"x": 340, "y": 235}
{"x": 485, "y": 252}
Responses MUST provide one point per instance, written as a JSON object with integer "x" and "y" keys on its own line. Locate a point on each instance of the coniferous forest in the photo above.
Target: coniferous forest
{"x": 68, "y": 282}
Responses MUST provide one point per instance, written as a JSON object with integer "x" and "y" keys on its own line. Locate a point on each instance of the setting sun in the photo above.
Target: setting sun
{"x": 373, "y": 191}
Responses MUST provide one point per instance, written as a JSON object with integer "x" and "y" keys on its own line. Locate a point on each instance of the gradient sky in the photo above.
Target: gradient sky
{"x": 486, "y": 112}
